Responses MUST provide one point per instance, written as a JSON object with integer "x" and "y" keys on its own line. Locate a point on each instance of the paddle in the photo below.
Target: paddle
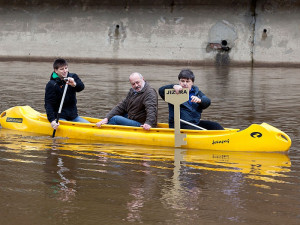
{"x": 191, "y": 124}
{"x": 60, "y": 107}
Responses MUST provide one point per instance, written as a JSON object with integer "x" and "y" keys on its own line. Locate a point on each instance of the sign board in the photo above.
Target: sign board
{"x": 176, "y": 100}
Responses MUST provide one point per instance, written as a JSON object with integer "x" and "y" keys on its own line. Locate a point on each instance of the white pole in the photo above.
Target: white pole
{"x": 191, "y": 124}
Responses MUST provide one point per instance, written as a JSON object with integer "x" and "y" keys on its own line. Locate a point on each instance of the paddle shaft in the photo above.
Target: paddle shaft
{"x": 60, "y": 107}
{"x": 191, "y": 124}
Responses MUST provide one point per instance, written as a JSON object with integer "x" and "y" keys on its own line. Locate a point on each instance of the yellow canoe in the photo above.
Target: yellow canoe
{"x": 261, "y": 138}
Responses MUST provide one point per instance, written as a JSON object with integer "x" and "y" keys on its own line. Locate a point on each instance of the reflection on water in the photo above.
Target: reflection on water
{"x": 63, "y": 184}
{"x": 64, "y": 181}
{"x": 177, "y": 179}
{"x": 255, "y": 164}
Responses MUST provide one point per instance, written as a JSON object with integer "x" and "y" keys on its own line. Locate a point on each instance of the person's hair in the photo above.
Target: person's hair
{"x": 186, "y": 74}
{"x": 59, "y": 63}
{"x": 140, "y": 75}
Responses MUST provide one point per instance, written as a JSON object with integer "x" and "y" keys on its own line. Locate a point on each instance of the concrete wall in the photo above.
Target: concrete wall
{"x": 280, "y": 44}
{"x": 143, "y": 31}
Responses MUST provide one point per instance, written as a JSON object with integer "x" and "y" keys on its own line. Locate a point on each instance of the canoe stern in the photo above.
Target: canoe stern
{"x": 24, "y": 118}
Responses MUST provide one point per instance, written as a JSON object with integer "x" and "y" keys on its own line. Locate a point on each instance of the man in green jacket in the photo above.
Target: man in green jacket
{"x": 54, "y": 92}
{"x": 138, "y": 109}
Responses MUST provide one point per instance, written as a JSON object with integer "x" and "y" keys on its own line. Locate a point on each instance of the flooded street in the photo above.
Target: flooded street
{"x": 64, "y": 181}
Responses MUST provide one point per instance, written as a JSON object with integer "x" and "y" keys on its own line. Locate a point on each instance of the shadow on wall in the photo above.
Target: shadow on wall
{"x": 222, "y": 52}
{"x": 221, "y": 38}
{"x": 116, "y": 35}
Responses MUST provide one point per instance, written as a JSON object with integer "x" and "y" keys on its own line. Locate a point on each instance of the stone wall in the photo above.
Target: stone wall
{"x": 141, "y": 31}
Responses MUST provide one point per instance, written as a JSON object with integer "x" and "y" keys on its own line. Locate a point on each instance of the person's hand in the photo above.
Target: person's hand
{"x": 104, "y": 121}
{"x": 177, "y": 88}
{"x": 195, "y": 99}
{"x": 146, "y": 126}
{"x": 71, "y": 82}
{"x": 54, "y": 125}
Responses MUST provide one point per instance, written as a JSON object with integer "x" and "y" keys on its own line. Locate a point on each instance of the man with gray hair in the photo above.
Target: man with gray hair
{"x": 138, "y": 109}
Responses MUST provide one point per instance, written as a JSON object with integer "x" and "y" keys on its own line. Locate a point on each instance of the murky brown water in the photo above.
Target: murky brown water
{"x": 62, "y": 181}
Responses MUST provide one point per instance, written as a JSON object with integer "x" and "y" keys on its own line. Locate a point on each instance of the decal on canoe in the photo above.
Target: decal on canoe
{"x": 221, "y": 142}
{"x": 14, "y": 120}
{"x": 256, "y": 134}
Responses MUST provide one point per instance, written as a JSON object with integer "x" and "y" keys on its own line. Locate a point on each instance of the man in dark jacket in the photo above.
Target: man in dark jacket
{"x": 191, "y": 110}
{"x": 138, "y": 109}
{"x": 54, "y": 92}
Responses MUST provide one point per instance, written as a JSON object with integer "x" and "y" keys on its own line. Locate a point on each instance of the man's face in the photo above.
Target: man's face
{"x": 62, "y": 71}
{"x": 137, "y": 83}
{"x": 186, "y": 83}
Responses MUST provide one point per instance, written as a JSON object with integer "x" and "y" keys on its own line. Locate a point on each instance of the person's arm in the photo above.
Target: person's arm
{"x": 151, "y": 107}
{"x": 102, "y": 122}
{"x": 119, "y": 109}
{"x": 50, "y": 101}
{"x": 146, "y": 126}
{"x": 205, "y": 101}
{"x": 75, "y": 82}
{"x": 161, "y": 90}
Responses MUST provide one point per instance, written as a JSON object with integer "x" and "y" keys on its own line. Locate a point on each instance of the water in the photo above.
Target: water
{"x": 64, "y": 181}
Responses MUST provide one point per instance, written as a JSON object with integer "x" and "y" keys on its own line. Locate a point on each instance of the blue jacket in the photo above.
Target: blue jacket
{"x": 189, "y": 111}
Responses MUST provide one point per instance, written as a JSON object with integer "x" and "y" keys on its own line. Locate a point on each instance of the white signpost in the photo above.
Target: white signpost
{"x": 176, "y": 100}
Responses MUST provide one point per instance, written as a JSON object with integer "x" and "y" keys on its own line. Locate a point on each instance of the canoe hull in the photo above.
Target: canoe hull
{"x": 263, "y": 137}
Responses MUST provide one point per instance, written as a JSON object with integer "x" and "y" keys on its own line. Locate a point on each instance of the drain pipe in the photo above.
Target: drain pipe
{"x": 253, "y": 11}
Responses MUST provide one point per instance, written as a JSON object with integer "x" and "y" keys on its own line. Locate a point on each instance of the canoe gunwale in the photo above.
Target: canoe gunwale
{"x": 140, "y": 129}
